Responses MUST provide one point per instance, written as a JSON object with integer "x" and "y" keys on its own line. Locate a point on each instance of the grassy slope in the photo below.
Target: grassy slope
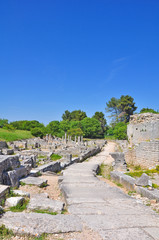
{"x": 13, "y": 135}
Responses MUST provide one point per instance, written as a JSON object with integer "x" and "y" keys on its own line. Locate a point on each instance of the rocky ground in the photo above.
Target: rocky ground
{"x": 98, "y": 209}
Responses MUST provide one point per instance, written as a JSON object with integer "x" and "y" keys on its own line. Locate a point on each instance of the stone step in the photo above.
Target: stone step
{"x": 38, "y": 223}
{"x": 34, "y": 181}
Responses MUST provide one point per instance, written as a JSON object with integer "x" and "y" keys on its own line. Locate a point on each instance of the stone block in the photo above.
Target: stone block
{"x": 14, "y": 201}
{"x": 34, "y": 181}
{"x": 6, "y": 151}
{"x": 144, "y": 181}
{"x": 21, "y": 193}
{"x": 8, "y": 163}
{"x": 11, "y": 178}
{"x": 52, "y": 167}
{"x": 39, "y": 202}
{"x": 4, "y": 190}
{"x": 3, "y": 144}
{"x": 151, "y": 194}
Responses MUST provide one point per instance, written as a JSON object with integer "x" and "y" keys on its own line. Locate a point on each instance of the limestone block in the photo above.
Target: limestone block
{"x": 11, "y": 178}
{"x": 144, "y": 181}
{"x": 13, "y": 201}
{"x": 21, "y": 193}
{"x": 34, "y": 181}
{"x": 43, "y": 203}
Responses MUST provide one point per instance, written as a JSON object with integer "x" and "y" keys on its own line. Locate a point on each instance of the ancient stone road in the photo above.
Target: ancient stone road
{"x": 105, "y": 209}
{"x": 94, "y": 204}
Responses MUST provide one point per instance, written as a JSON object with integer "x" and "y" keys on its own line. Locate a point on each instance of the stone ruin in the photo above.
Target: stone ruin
{"x": 26, "y": 159}
{"x": 142, "y": 147}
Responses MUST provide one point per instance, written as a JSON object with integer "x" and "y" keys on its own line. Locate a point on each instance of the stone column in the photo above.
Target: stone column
{"x": 65, "y": 137}
{"x": 79, "y": 139}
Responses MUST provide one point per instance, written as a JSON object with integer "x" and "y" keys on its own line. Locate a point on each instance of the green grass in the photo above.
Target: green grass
{"x": 45, "y": 211}
{"x": 22, "y": 183}
{"x": 55, "y": 157}
{"x": 131, "y": 193}
{"x": 14, "y": 135}
{"x": 155, "y": 186}
{"x": 43, "y": 185}
{"x": 20, "y": 207}
{"x": 5, "y": 233}
{"x": 139, "y": 173}
{"x": 104, "y": 171}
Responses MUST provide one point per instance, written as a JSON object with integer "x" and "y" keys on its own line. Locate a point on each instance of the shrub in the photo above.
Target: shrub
{"x": 37, "y": 132}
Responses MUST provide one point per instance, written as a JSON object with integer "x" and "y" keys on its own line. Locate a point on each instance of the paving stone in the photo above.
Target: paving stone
{"x": 154, "y": 232}
{"x": 21, "y": 193}
{"x": 39, "y": 202}
{"x": 13, "y": 201}
{"x": 126, "y": 234}
{"x": 34, "y": 181}
{"x": 38, "y": 223}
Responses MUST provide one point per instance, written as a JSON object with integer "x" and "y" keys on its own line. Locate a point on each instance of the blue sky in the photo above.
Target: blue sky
{"x": 58, "y": 55}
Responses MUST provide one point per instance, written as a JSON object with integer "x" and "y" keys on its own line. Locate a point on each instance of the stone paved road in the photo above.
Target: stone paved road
{"x": 92, "y": 204}
{"x": 106, "y": 209}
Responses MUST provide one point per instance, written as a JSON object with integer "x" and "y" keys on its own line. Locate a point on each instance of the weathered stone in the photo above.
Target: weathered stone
{"x": 8, "y": 163}
{"x": 6, "y": 151}
{"x": 144, "y": 181}
{"x": 11, "y": 178}
{"x": 38, "y": 223}
{"x": 119, "y": 161}
{"x": 151, "y": 194}
{"x": 43, "y": 203}
{"x": 3, "y": 144}
{"x": 4, "y": 190}
{"x": 21, "y": 193}
{"x": 14, "y": 201}
{"x": 52, "y": 167}
{"x": 34, "y": 181}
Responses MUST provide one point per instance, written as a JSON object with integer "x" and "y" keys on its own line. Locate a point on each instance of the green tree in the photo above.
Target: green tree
{"x": 91, "y": 128}
{"x": 150, "y": 110}
{"x": 100, "y": 117}
{"x": 37, "y": 132}
{"x": 75, "y": 132}
{"x": 53, "y": 128}
{"x": 3, "y": 122}
{"x": 64, "y": 126}
{"x": 76, "y": 115}
{"x": 120, "y": 131}
{"x": 66, "y": 116}
{"x": 121, "y": 108}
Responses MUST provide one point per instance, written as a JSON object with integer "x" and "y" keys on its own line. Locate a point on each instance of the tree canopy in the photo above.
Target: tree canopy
{"x": 145, "y": 110}
{"x": 76, "y": 115}
{"x": 121, "y": 108}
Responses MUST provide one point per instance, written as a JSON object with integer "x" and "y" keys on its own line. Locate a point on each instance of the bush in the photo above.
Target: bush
{"x": 120, "y": 131}
{"x": 37, "y": 132}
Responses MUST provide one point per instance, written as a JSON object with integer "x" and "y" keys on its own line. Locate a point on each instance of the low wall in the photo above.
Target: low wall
{"x": 145, "y": 154}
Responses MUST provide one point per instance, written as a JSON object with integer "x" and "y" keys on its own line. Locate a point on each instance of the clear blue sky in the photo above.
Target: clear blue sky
{"x": 58, "y": 55}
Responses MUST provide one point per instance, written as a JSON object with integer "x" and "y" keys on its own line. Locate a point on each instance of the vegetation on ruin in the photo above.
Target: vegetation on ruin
{"x": 14, "y": 135}
{"x": 20, "y": 207}
{"x": 148, "y": 110}
{"x": 5, "y": 233}
{"x": 55, "y": 157}
{"x": 45, "y": 211}
{"x": 104, "y": 170}
{"x": 137, "y": 172}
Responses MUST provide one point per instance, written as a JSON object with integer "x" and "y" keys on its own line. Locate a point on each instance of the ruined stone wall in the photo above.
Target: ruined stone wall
{"x": 143, "y": 137}
{"x": 145, "y": 154}
{"x": 143, "y": 127}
